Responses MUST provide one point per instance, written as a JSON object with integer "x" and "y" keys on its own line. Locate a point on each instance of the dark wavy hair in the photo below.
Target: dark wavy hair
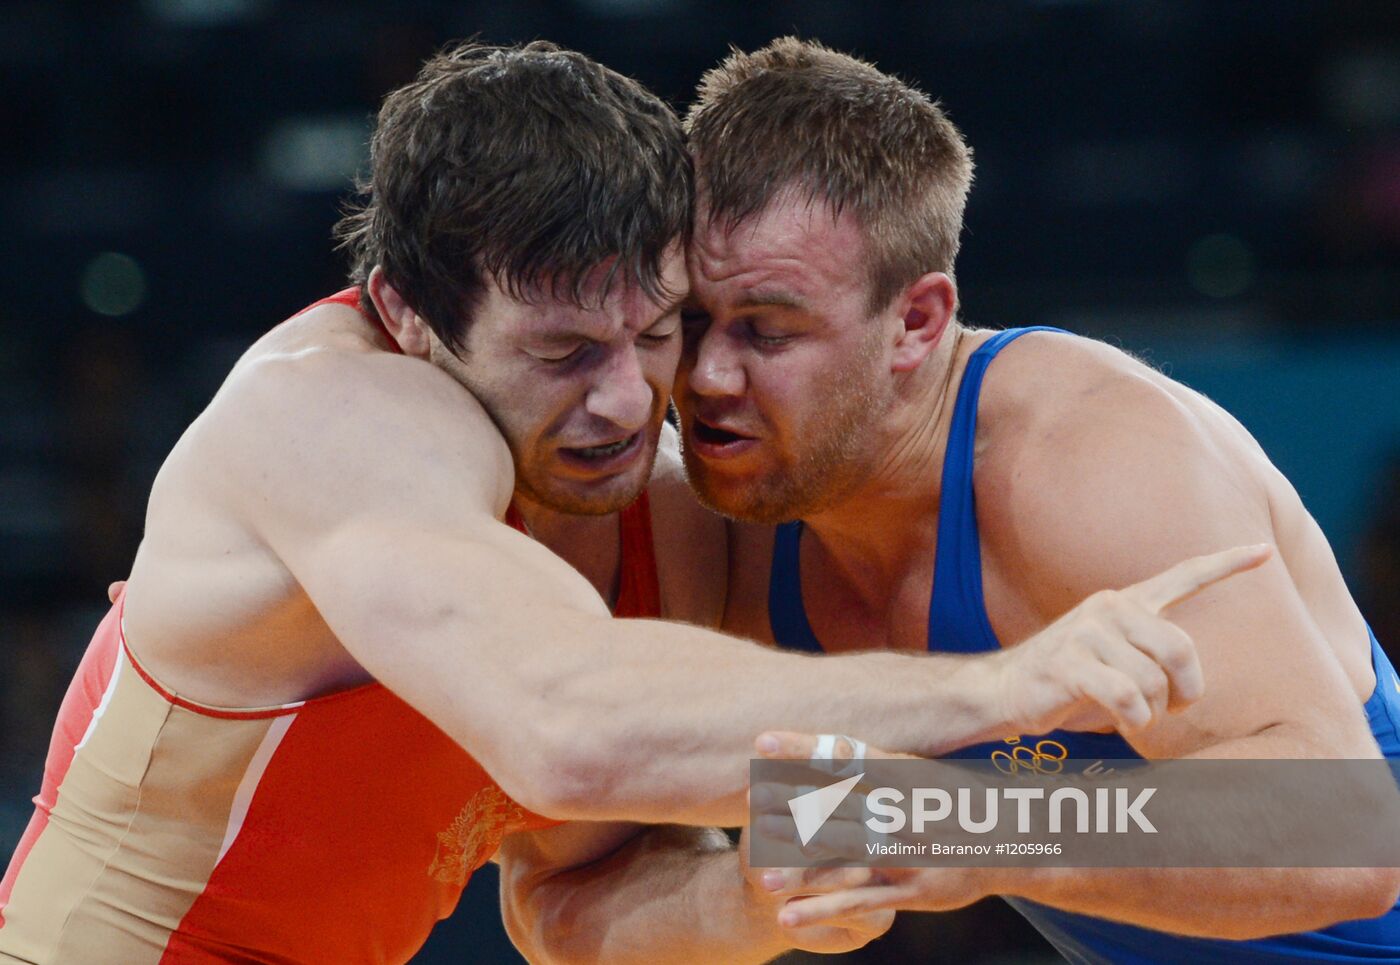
{"x": 528, "y": 165}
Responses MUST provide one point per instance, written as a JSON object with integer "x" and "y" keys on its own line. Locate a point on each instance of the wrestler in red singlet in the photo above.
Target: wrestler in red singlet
{"x": 337, "y": 829}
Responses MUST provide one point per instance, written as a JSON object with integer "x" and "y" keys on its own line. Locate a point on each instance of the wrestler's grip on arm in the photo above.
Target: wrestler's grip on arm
{"x": 661, "y": 895}
{"x": 1273, "y": 904}
{"x": 685, "y": 895}
{"x": 818, "y": 893}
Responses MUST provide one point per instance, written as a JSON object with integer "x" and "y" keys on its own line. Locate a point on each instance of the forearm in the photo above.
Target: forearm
{"x": 581, "y": 716}
{"x": 672, "y": 895}
{"x": 1233, "y": 903}
{"x": 665, "y": 715}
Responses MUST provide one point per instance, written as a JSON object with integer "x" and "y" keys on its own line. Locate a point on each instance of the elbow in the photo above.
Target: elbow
{"x": 519, "y": 920}
{"x": 523, "y": 913}
{"x": 1326, "y": 896}
{"x": 536, "y": 913}
{"x": 570, "y": 770}
{"x": 1349, "y": 894}
{"x": 1372, "y": 892}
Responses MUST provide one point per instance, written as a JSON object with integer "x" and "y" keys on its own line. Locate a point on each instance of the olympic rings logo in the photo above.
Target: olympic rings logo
{"x": 1047, "y": 757}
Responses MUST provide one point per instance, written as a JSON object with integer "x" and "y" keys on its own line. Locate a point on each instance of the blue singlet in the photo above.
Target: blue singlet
{"x": 957, "y": 623}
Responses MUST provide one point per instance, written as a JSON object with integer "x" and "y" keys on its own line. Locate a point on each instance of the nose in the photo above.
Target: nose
{"x": 621, "y": 394}
{"x": 711, "y": 365}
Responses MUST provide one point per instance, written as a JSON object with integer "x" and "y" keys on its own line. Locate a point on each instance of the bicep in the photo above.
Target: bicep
{"x": 533, "y": 894}
{"x": 456, "y": 622}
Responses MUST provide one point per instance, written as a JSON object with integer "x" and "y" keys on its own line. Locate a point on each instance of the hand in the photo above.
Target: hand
{"x": 832, "y": 936}
{"x": 115, "y": 590}
{"x": 1114, "y": 661}
{"x": 830, "y": 898}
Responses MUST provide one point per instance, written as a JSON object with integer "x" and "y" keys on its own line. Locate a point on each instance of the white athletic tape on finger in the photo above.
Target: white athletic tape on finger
{"x": 826, "y": 751}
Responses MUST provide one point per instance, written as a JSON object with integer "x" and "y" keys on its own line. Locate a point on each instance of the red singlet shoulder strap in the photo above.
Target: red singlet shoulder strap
{"x": 639, "y": 590}
{"x": 350, "y": 298}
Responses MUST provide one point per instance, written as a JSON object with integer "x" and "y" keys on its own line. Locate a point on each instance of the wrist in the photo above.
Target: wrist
{"x": 978, "y": 692}
{"x": 758, "y": 911}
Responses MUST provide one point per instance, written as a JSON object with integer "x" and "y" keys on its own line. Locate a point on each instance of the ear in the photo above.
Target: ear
{"x": 926, "y": 307}
{"x": 404, "y": 325}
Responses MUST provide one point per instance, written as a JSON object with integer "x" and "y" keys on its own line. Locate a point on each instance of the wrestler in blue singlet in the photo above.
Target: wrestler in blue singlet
{"x": 957, "y": 623}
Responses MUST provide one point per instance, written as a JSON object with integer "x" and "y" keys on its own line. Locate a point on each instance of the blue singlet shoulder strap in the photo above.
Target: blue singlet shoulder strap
{"x": 787, "y": 617}
{"x": 957, "y": 616}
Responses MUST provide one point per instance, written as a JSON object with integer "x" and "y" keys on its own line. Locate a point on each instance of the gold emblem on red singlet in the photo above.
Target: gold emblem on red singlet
{"x": 474, "y": 836}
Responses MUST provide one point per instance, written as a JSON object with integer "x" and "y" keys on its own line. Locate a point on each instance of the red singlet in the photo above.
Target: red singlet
{"x": 337, "y": 829}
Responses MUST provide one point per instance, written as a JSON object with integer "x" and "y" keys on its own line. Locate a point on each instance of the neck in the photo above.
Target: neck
{"x": 590, "y": 544}
{"x": 887, "y": 524}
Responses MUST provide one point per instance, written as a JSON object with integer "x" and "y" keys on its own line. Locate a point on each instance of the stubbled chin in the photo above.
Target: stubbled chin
{"x": 719, "y": 491}
{"x": 597, "y": 498}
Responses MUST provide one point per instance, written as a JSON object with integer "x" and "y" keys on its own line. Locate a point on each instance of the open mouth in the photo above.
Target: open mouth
{"x": 715, "y": 436}
{"x": 605, "y": 452}
{"x": 712, "y": 443}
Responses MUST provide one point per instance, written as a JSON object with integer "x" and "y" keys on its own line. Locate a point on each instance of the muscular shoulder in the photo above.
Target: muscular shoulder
{"x": 691, "y": 543}
{"x": 1097, "y": 471}
{"x": 337, "y": 431}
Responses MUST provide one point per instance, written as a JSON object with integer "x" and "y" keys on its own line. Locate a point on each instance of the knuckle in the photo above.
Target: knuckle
{"x": 1179, "y": 654}
{"x": 1102, "y": 601}
{"x": 1125, "y": 697}
{"x": 1089, "y": 632}
{"x": 1116, "y": 601}
{"x": 855, "y": 877}
{"x": 1156, "y": 690}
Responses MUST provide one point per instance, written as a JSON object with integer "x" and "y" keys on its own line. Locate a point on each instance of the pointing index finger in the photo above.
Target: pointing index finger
{"x": 1191, "y": 576}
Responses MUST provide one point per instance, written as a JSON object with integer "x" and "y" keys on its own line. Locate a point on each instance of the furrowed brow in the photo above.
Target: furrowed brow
{"x": 770, "y": 299}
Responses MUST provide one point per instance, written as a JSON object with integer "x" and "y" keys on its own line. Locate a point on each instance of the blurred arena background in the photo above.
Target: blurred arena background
{"x": 1215, "y": 185}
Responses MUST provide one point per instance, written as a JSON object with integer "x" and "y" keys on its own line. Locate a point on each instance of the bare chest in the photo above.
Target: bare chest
{"x": 845, "y": 617}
